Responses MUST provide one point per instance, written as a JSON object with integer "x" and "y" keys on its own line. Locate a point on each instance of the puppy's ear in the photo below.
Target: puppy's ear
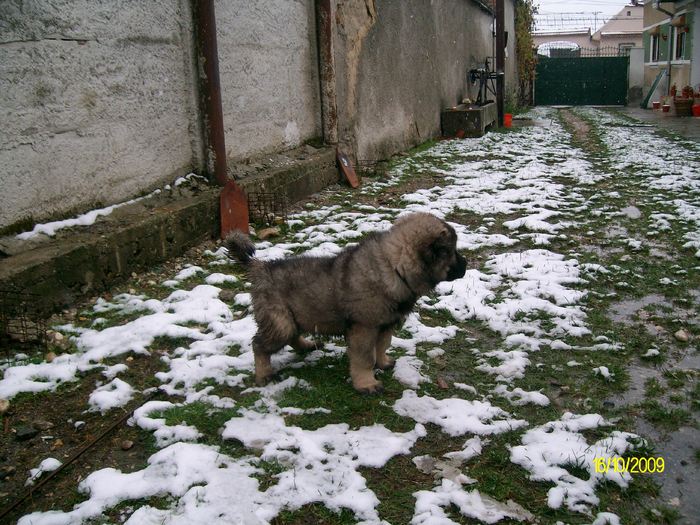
{"x": 440, "y": 244}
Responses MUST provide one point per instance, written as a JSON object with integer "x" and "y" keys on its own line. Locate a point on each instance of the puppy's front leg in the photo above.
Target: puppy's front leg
{"x": 362, "y": 342}
{"x": 384, "y": 362}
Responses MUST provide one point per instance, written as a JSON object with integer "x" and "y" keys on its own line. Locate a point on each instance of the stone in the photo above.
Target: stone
{"x": 441, "y": 383}
{"x": 266, "y": 233}
{"x": 682, "y": 335}
{"x": 42, "y": 424}
{"x": 49, "y": 357}
{"x": 127, "y": 444}
{"x": 4, "y": 406}
{"x": 57, "y": 444}
{"x": 25, "y": 432}
{"x": 227, "y": 295}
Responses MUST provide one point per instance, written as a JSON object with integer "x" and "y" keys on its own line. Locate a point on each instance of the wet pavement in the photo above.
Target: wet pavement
{"x": 677, "y": 447}
{"x": 688, "y": 127}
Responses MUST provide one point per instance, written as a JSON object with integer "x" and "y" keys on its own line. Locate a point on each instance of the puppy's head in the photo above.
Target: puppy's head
{"x": 430, "y": 253}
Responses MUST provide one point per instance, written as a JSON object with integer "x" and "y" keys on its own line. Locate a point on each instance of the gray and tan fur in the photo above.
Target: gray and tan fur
{"x": 364, "y": 293}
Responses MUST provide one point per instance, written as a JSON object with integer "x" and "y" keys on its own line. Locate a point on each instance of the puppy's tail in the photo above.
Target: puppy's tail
{"x": 240, "y": 247}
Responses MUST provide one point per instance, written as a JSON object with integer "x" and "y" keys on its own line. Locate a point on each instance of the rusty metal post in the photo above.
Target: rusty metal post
{"x": 326, "y": 62}
{"x": 233, "y": 203}
{"x": 208, "y": 60}
{"x": 500, "y": 59}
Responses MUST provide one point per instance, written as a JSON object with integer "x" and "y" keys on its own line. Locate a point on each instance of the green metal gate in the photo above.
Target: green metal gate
{"x": 579, "y": 81}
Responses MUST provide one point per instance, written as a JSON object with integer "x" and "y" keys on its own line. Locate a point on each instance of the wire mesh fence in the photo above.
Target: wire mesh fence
{"x": 267, "y": 208}
{"x": 22, "y": 327}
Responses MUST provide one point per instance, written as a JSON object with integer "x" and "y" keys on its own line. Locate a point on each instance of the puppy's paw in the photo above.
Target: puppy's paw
{"x": 387, "y": 364}
{"x": 263, "y": 380}
{"x": 371, "y": 390}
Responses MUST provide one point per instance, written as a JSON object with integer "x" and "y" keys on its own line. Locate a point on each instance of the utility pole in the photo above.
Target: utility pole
{"x": 500, "y": 59}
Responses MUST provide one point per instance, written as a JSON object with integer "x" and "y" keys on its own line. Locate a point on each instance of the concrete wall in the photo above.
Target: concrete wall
{"x": 96, "y": 102}
{"x": 99, "y": 99}
{"x": 269, "y": 74}
{"x": 636, "y": 75}
{"x": 401, "y": 62}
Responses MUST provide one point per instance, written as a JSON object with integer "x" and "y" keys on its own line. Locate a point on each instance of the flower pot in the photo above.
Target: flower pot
{"x": 656, "y": 105}
{"x": 696, "y": 110}
{"x": 665, "y": 108}
{"x": 683, "y": 107}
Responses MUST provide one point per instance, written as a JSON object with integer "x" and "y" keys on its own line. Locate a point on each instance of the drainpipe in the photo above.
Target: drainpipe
{"x": 656, "y": 5}
{"x": 326, "y": 67}
{"x": 500, "y": 59}
{"x": 208, "y": 67}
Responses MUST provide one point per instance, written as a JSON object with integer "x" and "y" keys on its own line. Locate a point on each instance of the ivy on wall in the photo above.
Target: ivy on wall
{"x": 525, "y": 50}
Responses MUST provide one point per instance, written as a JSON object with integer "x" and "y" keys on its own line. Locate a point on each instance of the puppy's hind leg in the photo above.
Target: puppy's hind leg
{"x": 263, "y": 348}
{"x": 362, "y": 342}
{"x": 275, "y": 330}
{"x": 384, "y": 362}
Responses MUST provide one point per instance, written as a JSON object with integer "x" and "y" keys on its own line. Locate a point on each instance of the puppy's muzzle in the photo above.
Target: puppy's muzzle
{"x": 457, "y": 270}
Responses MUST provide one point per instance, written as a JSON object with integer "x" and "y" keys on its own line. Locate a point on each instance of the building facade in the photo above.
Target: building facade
{"x": 670, "y": 28}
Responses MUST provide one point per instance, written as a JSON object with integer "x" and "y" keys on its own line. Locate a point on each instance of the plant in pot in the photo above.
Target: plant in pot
{"x": 684, "y": 103}
{"x": 665, "y": 106}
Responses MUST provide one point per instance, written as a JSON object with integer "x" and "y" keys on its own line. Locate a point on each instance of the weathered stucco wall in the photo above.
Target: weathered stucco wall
{"x": 269, "y": 74}
{"x": 99, "y": 99}
{"x": 96, "y": 103}
{"x": 413, "y": 62}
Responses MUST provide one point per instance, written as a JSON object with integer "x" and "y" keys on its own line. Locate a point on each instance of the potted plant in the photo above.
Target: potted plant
{"x": 684, "y": 103}
{"x": 665, "y": 106}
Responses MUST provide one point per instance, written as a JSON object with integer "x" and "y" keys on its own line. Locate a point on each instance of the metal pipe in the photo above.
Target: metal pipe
{"x": 500, "y": 59}
{"x": 208, "y": 59}
{"x": 326, "y": 67}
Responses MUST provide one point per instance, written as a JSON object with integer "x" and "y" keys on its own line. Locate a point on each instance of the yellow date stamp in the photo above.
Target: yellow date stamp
{"x": 631, "y": 465}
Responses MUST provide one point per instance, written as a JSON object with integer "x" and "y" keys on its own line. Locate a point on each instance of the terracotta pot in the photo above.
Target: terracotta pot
{"x": 696, "y": 110}
{"x": 665, "y": 108}
{"x": 656, "y": 105}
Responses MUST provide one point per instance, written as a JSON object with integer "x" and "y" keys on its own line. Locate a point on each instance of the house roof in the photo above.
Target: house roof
{"x": 629, "y": 21}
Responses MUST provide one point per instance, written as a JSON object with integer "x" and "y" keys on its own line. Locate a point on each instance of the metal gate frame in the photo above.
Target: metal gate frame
{"x": 580, "y": 78}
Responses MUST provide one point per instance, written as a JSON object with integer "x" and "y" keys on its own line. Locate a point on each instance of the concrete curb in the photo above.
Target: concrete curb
{"x": 85, "y": 261}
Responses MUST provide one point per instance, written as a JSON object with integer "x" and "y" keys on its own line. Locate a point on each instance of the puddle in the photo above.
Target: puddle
{"x": 681, "y": 476}
{"x": 624, "y": 311}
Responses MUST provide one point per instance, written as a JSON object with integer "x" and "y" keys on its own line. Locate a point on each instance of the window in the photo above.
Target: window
{"x": 654, "y": 48}
{"x": 679, "y": 43}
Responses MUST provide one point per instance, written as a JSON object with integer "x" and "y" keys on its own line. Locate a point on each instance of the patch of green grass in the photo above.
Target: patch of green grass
{"x": 653, "y": 388}
{"x": 675, "y": 378}
{"x": 314, "y": 514}
{"x": 207, "y": 419}
{"x": 662, "y": 515}
{"x": 330, "y": 388}
{"x": 664, "y": 417}
{"x": 270, "y": 471}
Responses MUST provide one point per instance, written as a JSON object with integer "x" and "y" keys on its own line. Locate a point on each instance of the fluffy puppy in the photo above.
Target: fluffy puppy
{"x": 364, "y": 293}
